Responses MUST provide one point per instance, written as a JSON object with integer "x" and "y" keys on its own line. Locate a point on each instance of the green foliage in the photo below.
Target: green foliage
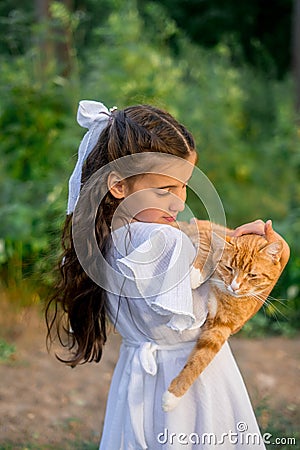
{"x": 14, "y": 22}
{"x": 6, "y": 350}
{"x": 35, "y": 150}
{"x": 243, "y": 122}
{"x": 256, "y": 31}
{"x": 126, "y": 65}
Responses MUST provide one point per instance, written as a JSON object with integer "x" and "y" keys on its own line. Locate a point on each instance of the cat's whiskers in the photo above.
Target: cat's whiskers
{"x": 257, "y": 297}
{"x": 282, "y": 301}
{"x": 269, "y": 302}
{"x": 265, "y": 302}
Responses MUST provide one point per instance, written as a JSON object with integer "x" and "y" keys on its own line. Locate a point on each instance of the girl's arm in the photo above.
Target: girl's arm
{"x": 256, "y": 227}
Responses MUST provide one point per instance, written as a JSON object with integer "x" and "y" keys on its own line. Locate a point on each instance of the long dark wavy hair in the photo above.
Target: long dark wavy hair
{"x": 76, "y": 313}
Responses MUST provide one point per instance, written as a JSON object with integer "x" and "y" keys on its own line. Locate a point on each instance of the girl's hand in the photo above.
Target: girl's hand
{"x": 256, "y": 227}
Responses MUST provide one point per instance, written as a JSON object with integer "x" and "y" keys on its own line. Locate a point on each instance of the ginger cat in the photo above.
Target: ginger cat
{"x": 238, "y": 279}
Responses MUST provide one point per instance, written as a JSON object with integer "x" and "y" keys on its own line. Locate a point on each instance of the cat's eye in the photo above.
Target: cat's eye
{"x": 230, "y": 269}
{"x": 252, "y": 275}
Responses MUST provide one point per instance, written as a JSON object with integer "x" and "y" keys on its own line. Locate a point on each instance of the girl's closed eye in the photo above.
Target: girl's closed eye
{"x": 166, "y": 190}
{"x": 162, "y": 192}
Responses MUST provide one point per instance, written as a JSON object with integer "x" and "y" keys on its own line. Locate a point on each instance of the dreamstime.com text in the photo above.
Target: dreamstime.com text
{"x": 240, "y": 436}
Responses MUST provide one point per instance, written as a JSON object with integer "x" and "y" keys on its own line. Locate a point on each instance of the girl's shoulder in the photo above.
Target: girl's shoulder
{"x": 163, "y": 235}
{"x": 146, "y": 229}
{"x": 155, "y": 260}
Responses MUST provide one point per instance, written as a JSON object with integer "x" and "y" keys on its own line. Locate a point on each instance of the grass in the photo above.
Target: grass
{"x": 278, "y": 426}
{"x": 280, "y": 431}
{"x": 64, "y": 446}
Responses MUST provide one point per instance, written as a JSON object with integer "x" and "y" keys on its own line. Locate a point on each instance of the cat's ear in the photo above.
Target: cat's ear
{"x": 274, "y": 250}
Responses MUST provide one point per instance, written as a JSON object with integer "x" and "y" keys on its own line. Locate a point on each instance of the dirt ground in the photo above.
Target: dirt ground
{"x": 43, "y": 402}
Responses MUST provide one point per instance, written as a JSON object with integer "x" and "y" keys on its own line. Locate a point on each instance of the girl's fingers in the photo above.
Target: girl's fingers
{"x": 269, "y": 232}
{"x": 272, "y": 236}
{"x": 256, "y": 227}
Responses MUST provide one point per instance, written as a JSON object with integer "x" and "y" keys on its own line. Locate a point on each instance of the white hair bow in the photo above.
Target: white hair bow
{"x": 94, "y": 116}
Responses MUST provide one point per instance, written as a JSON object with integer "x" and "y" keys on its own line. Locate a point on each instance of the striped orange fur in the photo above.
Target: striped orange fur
{"x": 239, "y": 271}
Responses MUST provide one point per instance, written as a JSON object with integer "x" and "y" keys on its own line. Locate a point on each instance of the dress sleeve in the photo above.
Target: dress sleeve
{"x": 159, "y": 270}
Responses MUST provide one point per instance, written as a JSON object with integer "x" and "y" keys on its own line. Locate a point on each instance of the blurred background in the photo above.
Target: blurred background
{"x": 230, "y": 71}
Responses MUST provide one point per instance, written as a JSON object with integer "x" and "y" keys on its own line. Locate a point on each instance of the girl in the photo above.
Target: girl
{"x": 132, "y": 172}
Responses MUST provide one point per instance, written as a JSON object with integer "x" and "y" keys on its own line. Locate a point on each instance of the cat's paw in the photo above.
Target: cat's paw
{"x": 196, "y": 278}
{"x": 169, "y": 401}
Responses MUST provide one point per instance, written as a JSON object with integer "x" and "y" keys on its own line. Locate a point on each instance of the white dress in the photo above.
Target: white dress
{"x": 159, "y": 318}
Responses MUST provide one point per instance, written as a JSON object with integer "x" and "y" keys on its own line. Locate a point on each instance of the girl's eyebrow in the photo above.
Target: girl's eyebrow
{"x": 168, "y": 186}
{"x": 165, "y": 187}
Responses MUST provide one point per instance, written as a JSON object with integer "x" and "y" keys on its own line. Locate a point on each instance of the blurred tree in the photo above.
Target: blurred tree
{"x": 47, "y": 24}
{"x": 296, "y": 51}
{"x": 64, "y": 37}
{"x": 42, "y": 15}
{"x": 15, "y": 20}
{"x": 55, "y": 27}
{"x": 242, "y": 119}
{"x": 258, "y": 31}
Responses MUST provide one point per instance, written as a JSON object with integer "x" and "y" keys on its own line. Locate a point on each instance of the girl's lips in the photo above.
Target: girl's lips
{"x": 170, "y": 219}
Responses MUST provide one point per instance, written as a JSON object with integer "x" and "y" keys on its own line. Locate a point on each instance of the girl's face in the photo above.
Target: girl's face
{"x": 157, "y": 198}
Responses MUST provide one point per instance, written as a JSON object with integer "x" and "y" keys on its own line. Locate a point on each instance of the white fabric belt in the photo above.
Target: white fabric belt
{"x": 144, "y": 359}
{"x": 147, "y": 352}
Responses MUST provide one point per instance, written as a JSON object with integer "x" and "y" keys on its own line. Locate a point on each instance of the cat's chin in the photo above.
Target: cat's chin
{"x": 232, "y": 293}
{"x": 238, "y": 295}
{"x": 169, "y": 401}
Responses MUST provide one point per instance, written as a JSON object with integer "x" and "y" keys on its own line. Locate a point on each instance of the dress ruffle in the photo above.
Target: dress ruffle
{"x": 157, "y": 263}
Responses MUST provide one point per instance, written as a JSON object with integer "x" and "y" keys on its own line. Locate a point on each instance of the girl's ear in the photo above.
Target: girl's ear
{"x": 116, "y": 185}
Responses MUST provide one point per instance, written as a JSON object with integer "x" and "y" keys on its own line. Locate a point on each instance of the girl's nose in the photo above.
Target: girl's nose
{"x": 177, "y": 204}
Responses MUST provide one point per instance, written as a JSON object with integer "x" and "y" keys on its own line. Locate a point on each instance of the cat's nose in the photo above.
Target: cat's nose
{"x": 234, "y": 285}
